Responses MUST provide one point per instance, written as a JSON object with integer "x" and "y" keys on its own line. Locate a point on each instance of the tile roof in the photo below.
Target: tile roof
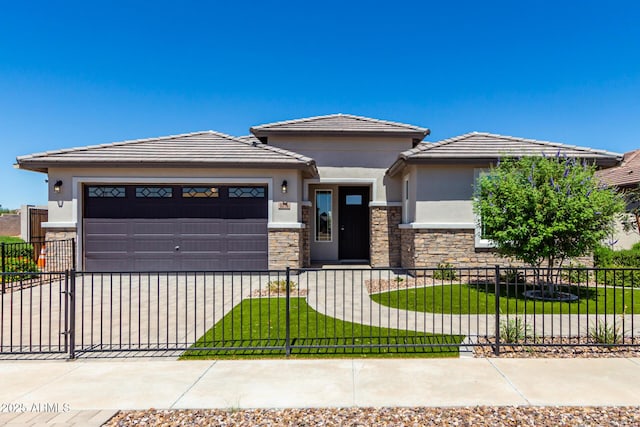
{"x": 197, "y": 149}
{"x": 483, "y": 146}
{"x": 626, "y": 174}
{"x": 338, "y": 124}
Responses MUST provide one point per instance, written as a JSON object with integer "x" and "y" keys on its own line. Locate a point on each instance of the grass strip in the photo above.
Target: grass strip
{"x": 256, "y": 328}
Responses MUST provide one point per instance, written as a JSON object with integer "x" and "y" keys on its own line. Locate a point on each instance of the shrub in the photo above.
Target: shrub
{"x": 19, "y": 265}
{"x": 602, "y": 256}
{"x": 277, "y": 286}
{"x": 445, "y": 271}
{"x": 514, "y": 329}
{"x": 575, "y": 273}
{"x": 620, "y": 277}
{"x": 606, "y": 333}
{"x": 17, "y": 250}
{"x": 512, "y": 275}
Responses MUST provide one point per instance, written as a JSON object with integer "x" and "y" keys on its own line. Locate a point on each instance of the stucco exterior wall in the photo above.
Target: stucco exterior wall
{"x": 352, "y": 159}
{"x": 444, "y": 194}
{"x": 622, "y": 239}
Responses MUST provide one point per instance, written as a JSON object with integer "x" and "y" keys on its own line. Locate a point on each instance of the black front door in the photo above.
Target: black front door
{"x": 353, "y": 223}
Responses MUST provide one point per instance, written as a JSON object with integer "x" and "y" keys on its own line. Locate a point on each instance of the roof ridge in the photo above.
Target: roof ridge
{"x": 326, "y": 116}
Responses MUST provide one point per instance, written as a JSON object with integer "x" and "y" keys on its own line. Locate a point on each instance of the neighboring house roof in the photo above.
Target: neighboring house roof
{"x": 197, "y": 149}
{"x": 626, "y": 174}
{"x": 488, "y": 147}
{"x": 340, "y": 124}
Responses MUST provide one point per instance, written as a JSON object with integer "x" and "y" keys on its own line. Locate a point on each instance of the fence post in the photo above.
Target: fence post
{"x": 287, "y": 338}
{"x": 496, "y": 347}
{"x": 71, "y": 306}
{"x": 2, "y": 253}
{"x": 73, "y": 253}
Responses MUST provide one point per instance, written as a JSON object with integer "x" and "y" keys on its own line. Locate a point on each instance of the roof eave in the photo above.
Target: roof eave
{"x": 403, "y": 161}
{"x": 43, "y": 166}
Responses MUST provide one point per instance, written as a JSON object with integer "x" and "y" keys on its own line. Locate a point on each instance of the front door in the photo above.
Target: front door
{"x": 353, "y": 223}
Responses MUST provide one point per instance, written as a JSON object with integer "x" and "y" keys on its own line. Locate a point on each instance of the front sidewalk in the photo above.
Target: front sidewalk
{"x": 54, "y": 391}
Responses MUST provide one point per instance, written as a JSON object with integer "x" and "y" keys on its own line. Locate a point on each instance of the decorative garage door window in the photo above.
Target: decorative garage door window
{"x": 154, "y": 192}
{"x": 104, "y": 191}
{"x": 207, "y": 192}
{"x": 246, "y": 192}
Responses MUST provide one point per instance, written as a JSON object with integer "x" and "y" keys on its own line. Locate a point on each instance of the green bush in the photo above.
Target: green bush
{"x": 19, "y": 265}
{"x": 515, "y": 329}
{"x": 618, "y": 277}
{"x": 18, "y": 250}
{"x": 606, "y": 333}
{"x": 575, "y": 273}
{"x": 281, "y": 285}
{"x": 445, "y": 271}
{"x": 512, "y": 275}
{"x": 605, "y": 257}
{"x": 602, "y": 256}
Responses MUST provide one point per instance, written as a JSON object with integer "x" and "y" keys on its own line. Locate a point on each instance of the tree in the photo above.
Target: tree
{"x": 538, "y": 209}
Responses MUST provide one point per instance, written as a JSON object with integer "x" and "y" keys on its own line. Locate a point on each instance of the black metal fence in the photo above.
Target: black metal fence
{"x": 378, "y": 312}
{"x": 35, "y": 256}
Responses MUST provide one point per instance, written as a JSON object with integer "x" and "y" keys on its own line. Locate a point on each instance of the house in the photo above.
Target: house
{"x": 625, "y": 177}
{"x": 335, "y": 188}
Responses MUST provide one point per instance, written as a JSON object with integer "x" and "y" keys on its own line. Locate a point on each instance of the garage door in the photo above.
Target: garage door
{"x": 175, "y": 228}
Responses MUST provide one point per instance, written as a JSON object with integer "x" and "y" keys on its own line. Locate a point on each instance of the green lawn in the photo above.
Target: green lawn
{"x": 260, "y": 322}
{"x": 473, "y": 299}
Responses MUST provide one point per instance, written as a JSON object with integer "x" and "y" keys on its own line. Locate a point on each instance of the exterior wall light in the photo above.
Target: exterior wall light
{"x": 57, "y": 186}
{"x": 284, "y": 186}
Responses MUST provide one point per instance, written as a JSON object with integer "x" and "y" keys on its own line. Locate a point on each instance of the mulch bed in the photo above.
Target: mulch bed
{"x": 460, "y": 416}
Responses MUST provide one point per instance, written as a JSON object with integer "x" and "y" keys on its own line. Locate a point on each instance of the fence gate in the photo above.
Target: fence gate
{"x": 35, "y": 314}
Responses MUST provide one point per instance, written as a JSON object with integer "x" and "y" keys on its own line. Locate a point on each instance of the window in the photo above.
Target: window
{"x": 323, "y": 215}
{"x": 246, "y": 192}
{"x": 154, "y": 192}
{"x": 105, "y": 191}
{"x": 353, "y": 199}
{"x": 481, "y": 241}
{"x": 200, "y": 192}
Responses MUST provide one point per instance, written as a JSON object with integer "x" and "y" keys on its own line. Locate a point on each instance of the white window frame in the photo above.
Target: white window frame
{"x": 479, "y": 241}
{"x": 315, "y": 218}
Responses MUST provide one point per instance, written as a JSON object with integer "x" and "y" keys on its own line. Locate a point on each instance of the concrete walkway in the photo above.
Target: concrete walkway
{"x": 89, "y": 392}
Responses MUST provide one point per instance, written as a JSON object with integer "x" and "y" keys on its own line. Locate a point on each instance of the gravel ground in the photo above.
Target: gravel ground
{"x": 463, "y": 416}
{"x": 454, "y": 416}
{"x": 581, "y": 349}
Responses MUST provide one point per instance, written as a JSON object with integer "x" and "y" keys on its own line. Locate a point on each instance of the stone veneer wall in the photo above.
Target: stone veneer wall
{"x": 60, "y": 254}
{"x": 426, "y": 248}
{"x": 385, "y": 236}
{"x": 285, "y": 248}
{"x": 407, "y": 248}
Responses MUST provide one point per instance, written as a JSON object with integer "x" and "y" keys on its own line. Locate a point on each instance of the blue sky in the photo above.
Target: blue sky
{"x": 83, "y": 73}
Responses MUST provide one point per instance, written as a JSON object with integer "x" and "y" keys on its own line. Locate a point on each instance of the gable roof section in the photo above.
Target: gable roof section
{"x": 337, "y": 124}
{"x": 197, "y": 149}
{"x": 488, "y": 147}
{"x": 626, "y": 174}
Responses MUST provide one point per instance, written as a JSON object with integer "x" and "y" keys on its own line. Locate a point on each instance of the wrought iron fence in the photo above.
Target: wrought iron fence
{"x": 428, "y": 311}
{"x": 35, "y": 256}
